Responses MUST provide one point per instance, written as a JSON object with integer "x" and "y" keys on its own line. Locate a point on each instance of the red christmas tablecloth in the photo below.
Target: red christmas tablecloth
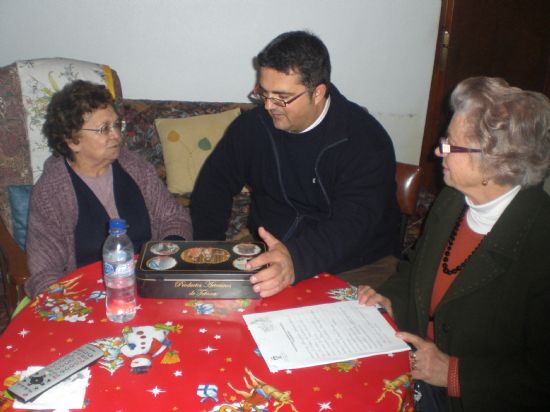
{"x": 192, "y": 355}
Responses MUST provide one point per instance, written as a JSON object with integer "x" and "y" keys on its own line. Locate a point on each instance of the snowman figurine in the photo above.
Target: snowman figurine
{"x": 142, "y": 344}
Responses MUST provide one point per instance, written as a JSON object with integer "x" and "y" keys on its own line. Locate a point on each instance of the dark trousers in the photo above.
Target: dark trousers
{"x": 429, "y": 398}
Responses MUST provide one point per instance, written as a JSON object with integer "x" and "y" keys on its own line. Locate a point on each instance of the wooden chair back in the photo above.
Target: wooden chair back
{"x": 408, "y": 179}
{"x": 13, "y": 268}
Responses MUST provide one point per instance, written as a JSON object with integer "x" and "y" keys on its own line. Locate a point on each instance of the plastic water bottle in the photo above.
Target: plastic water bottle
{"x": 118, "y": 273}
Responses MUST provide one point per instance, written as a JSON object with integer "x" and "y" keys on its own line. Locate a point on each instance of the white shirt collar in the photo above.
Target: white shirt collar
{"x": 481, "y": 218}
{"x": 320, "y": 118}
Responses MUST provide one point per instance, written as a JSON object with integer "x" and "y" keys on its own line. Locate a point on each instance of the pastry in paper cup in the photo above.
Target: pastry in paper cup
{"x": 164, "y": 248}
{"x": 161, "y": 263}
{"x": 246, "y": 249}
{"x": 240, "y": 262}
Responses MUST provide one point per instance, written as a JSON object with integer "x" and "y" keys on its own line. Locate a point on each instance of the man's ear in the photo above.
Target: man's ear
{"x": 320, "y": 92}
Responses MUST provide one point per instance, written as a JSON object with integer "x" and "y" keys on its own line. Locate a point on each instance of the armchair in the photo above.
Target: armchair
{"x": 25, "y": 90}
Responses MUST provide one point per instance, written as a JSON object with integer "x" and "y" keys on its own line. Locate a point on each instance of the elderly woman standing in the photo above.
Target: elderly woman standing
{"x": 89, "y": 179}
{"x": 474, "y": 299}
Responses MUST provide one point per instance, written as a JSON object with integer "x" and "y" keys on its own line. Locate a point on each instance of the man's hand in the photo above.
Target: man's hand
{"x": 428, "y": 363}
{"x": 279, "y": 270}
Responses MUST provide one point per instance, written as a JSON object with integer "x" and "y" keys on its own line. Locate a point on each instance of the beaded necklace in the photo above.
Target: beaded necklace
{"x": 449, "y": 247}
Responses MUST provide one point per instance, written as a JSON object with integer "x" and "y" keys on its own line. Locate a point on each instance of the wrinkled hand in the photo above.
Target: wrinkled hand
{"x": 429, "y": 363}
{"x": 279, "y": 270}
{"x": 368, "y": 296}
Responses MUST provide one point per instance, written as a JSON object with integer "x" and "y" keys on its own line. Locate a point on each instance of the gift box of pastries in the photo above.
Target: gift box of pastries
{"x": 196, "y": 269}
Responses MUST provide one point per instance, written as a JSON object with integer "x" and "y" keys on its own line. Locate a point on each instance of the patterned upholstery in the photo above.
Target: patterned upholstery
{"x": 25, "y": 90}
{"x": 40, "y": 79}
{"x": 140, "y": 118}
{"x": 142, "y": 137}
{"x": 14, "y": 148}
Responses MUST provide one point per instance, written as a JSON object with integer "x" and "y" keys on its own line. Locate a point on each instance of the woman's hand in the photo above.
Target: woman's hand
{"x": 368, "y": 296}
{"x": 428, "y": 363}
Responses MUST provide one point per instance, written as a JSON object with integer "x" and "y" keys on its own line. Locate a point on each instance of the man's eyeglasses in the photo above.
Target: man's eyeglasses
{"x": 445, "y": 147}
{"x": 260, "y": 97}
{"x": 106, "y": 129}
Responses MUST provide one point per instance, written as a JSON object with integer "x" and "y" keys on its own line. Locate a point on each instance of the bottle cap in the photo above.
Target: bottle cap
{"x": 119, "y": 224}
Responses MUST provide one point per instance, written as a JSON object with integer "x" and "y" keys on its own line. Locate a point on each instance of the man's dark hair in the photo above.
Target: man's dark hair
{"x": 298, "y": 51}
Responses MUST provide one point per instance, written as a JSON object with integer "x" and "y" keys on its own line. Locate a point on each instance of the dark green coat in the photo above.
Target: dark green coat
{"x": 495, "y": 317}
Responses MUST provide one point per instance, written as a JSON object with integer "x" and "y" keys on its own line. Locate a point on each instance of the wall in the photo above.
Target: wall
{"x": 381, "y": 50}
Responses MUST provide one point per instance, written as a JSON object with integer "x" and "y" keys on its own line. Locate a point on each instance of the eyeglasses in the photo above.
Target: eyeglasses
{"x": 259, "y": 97}
{"x": 445, "y": 147}
{"x": 106, "y": 129}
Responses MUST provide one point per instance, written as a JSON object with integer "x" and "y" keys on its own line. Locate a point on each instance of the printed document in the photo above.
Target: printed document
{"x": 321, "y": 334}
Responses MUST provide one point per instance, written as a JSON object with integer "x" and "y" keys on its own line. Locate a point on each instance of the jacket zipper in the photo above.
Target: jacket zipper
{"x": 299, "y": 216}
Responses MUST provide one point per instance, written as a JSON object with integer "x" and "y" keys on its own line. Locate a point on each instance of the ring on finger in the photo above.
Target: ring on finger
{"x": 412, "y": 360}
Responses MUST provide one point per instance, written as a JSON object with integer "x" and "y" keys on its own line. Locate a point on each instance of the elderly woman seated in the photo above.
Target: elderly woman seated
{"x": 474, "y": 299}
{"x": 90, "y": 179}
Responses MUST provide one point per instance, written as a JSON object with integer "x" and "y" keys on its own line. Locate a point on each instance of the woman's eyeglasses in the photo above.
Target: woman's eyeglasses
{"x": 445, "y": 147}
{"x": 106, "y": 129}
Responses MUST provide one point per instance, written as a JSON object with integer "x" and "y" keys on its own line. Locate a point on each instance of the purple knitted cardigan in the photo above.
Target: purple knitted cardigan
{"x": 53, "y": 214}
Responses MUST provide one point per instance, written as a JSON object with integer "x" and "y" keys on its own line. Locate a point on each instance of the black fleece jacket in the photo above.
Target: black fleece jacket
{"x": 352, "y": 217}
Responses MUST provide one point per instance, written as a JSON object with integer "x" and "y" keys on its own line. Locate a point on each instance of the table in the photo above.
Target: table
{"x": 194, "y": 355}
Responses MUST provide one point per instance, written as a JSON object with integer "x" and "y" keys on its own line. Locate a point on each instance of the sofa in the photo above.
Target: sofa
{"x": 144, "y": 119}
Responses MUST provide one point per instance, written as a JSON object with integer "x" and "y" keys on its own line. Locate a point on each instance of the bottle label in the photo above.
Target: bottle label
{"x": 121, "y": 269}
{"x": 125, "y": 269}
{"x": 108, "y": 269}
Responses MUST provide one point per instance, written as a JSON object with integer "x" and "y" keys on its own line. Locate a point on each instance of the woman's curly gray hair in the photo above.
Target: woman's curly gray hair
{"x": 512, "y": 127}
